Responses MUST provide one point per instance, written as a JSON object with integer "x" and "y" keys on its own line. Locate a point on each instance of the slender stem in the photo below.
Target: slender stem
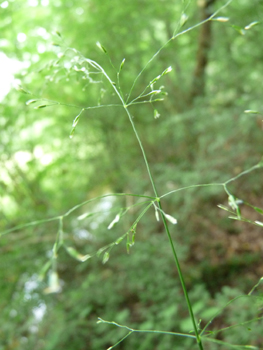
{"x": 198, "y": 338}
{"x": 190, "y": 309}
{"x": 257, "y": 166}
{"x": 132, "y": 123}
{"x": 145, "y": 330}
{"x": 174, "y": 37}
{"x": 125, "y": 106}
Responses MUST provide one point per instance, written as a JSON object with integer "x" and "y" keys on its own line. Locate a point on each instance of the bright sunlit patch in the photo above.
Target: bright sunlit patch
{"x": 4, "y": 4}
{"x": 43, "y": 158}
{"x": 35, "y": 57}
{"x": 46, "y": 159}
{"x": 22, "y": 158}
{"x": 42, "y": 32}
{"x": 8, "y": 67}
{"x": 21, "y": 37}
{"x": 6, "y": 75}
{"x": 8, "y": 205}
{"x": 38, "y": 152}
{"x": 39, "y": 311}
{"x": 41, "y": 48}
{"x": 32, "y": 3}
{"x": 4, "y": 42}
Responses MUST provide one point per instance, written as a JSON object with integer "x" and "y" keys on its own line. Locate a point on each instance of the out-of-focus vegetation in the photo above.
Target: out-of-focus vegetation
{"x": 198, "y": 134}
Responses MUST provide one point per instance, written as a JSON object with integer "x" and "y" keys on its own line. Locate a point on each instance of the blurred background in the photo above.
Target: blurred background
{"x": 201, "y": 135}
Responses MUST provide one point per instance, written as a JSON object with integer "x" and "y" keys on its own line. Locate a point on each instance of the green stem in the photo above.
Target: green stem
{"x": 198, "y": 338}
{"x": 132, "y": 123}
{"x": 177, "y": 263}
{"x": 125, "y": 106}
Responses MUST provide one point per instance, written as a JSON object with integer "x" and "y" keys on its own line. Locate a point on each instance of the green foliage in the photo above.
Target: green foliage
{"x": 120, "y": 118}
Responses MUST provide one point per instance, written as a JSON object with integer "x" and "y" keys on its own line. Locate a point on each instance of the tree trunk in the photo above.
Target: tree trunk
{"x": 204, "y": 45}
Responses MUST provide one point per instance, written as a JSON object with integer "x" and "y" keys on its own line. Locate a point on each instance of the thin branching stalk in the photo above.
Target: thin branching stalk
{"x": 198, "y": 338}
